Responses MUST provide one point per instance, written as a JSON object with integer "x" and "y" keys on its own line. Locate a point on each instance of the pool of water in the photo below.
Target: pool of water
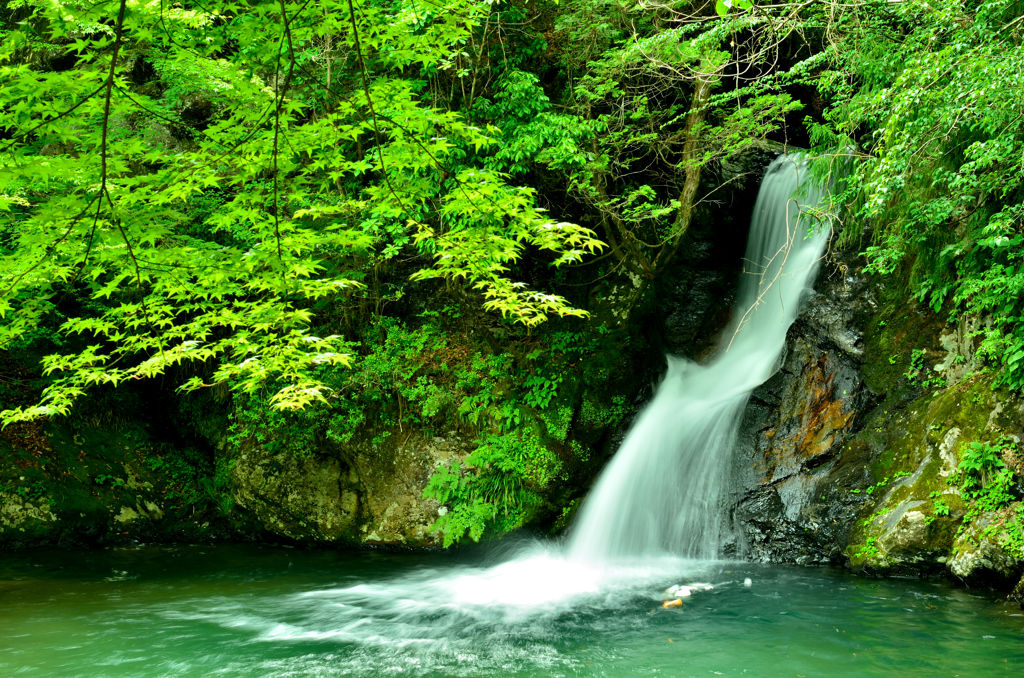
{"x": 270, "y": 611}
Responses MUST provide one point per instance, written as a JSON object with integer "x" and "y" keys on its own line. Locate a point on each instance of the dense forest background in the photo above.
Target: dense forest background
{"x": 345, "y": 217}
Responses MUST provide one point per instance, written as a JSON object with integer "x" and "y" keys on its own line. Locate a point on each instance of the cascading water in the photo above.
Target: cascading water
{"x": 658, "y": 502}
{"x": 663, "y": 490}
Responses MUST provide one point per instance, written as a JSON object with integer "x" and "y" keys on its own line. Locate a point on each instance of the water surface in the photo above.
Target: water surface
{"x": 270, "y": 611}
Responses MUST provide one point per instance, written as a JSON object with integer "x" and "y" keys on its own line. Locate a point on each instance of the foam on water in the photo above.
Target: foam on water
{"x": 244, "y": 610}
{"x": 460, "y": 617}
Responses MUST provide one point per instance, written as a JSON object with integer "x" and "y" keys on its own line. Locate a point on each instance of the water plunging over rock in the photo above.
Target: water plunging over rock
{"x": 790, "y": 498}
{"x": 664, "y": 490}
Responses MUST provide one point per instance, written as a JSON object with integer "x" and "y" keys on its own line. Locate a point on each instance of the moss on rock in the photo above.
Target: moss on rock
{"x": 912, "y": 523}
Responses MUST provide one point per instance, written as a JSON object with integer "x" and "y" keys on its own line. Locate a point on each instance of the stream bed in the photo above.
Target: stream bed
{"x": 248, "y": 610}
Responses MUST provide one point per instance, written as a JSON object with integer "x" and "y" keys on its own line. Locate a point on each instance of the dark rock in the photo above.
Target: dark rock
{"x": 792, "y": 476}
{"x": 1017, "y": 595}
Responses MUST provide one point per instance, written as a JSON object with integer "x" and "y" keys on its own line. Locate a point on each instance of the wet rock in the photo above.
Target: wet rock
{"x": 301, "y": 498}
{"x": 392, "y": 478}
{"x": 126, "y": 515}
{"x": 700, "y": 302}
{"x": 142, "y": 511}
{"x": 21, "y": 518}
{"x": 980, "y": 560}
{"x": 792, "y": 502}
{"x": 1017, "y": 595}
{"x": 744, "y": 169}
{"x": 696, "y": 297}
{"x": 846, "y": 457}
{"x": 913, "y": 523}
{"x": 961, "y": 358}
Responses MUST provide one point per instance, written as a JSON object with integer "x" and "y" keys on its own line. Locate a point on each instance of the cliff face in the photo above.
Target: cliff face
{"x": 366, "y": 493}
{"x": 789, "y": 502}
{"x": 851, "y": 454}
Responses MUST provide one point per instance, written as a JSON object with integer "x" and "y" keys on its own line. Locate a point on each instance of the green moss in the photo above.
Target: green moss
{"x": 893, "y": 335}
{"x": 924, "y": 444}
{"x": 581, "y": 452}
{"x": 599, "y": 413}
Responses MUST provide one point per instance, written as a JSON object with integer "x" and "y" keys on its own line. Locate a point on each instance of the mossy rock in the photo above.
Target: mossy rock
{"x": 912, "y": 524}
{"x": 87, "y": 485}
{"x": 982, "y": 554}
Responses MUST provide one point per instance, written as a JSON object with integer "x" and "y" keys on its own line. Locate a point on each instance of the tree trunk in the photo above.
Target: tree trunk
{"x": 616, "y": 307}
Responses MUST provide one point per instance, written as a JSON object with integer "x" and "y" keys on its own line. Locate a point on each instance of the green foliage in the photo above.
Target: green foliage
{"x": 540, "y": 389}
{"x": 594, "y": 413}
{"x": 497, "y": 485}
{"x": 232, "y": 195}
{"x": 924, "y": 103}
{"x": 186, "y": 472}
{"x": 916, "y": 364}
{"x": 980, "y": 467}
{"x": 557, "y": 421}
{"x": 1013, "y": 532}
{"x": 723, "y": 7}
{"x": 869, "y": 549}
{"x": 201, "y": 179}
{"x": 102, "y": 479}
{"x": 986, "y": 482}
{"x": 34, "y": 491}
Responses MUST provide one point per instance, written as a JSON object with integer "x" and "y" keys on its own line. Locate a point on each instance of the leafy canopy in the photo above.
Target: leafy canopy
{"x": 294, "y": 129}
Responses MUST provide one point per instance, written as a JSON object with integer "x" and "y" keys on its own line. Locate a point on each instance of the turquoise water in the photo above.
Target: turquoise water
{"x": 270, "y": 611}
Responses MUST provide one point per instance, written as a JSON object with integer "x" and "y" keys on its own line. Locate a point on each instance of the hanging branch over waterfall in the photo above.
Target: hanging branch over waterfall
{"x": 670, "y": 102}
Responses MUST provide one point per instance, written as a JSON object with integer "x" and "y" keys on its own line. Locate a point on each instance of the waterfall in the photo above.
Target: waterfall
{"x": 663, "y": 491}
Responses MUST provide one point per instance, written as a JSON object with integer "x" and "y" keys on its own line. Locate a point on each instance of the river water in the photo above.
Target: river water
{"x": 238, "y": 610}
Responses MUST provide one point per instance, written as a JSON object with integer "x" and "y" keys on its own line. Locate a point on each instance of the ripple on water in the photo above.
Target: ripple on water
{"x": 271, "y": 613}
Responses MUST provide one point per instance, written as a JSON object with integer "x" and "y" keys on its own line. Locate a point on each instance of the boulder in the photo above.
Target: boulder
{"x": 979, "y": 558}
{"x": 310, "y": 497}
{"x": 368, "y": 492}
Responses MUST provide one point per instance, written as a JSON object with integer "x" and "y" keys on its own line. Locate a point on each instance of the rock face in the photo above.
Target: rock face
{"x": 980, "y": 560}
{"x": 849, "y": 454}
{"x": 29, "y": 518}
{"x": 88, "y": 486}
{"x": 788, "y": 505}
{"x": 918, "y": 522}
{"x": 312, "y": 497}
{"x": 364, "y": 493}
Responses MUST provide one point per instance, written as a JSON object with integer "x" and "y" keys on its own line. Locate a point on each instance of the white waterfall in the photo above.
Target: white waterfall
{"x": 662, "y": 493}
